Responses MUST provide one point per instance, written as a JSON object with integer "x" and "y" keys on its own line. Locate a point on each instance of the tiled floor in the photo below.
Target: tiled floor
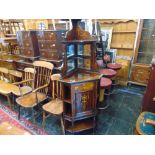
{"x": 118, "y": 119}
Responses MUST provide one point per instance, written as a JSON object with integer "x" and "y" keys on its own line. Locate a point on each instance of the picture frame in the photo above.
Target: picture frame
{"x": 106, "y": 33}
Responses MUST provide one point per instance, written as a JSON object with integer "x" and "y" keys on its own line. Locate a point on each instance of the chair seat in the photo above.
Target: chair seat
{"x": 9, "y": 129}
{"x": 23, "y": 90}
{"x": 109, "y": 73}
{"x": 7, "y": 88}
{"x": 114, "y": 66}
{"x": 1, "y": 81}
{"x": 29, "y": 100}
{"x": 144, "y": 128}
{"x": 55, "y": 107}
{"x": 105, "y": 82}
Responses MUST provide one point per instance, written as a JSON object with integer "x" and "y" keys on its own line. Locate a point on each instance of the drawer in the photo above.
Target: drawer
{"x": 27, "y": 43}
{"x": 50, "y": 36}
{"x": 27, "y": 52}
{"x": 42, "y": 45}
{"x": 49, "y": 55}
{"x": 25, "y": 35}
{"x": 51, "y": 46}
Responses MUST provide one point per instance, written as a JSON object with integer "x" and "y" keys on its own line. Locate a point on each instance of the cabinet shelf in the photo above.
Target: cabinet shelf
{"x": 81, "y": 126}
{"x": 129, "y": 48}
{"x": 69, "y": 117}
{"x": 124, "y": 32}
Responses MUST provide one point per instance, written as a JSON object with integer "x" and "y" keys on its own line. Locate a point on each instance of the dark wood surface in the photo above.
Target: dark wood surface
{"x": 148, "y": 103}
{"x": 28, "y": 44}
{"x": 79, "y": 83}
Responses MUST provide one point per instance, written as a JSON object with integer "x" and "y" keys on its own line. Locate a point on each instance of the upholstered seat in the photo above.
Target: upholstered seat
{"x": 30, "y": 100}
{"x": 22, "y": 90}
{"x": 145, "y": 124}
{"x": 105, "y": 83}
{"x": 54, "y": 106}
{"x": 114, "y": 66}
{"x": 109, "y": 73}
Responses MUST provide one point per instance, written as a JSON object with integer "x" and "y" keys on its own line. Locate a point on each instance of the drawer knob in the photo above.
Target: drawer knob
{"x": 53, "y": 45}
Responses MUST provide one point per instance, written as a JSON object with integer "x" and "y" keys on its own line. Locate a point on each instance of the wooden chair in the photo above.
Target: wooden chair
{"x": 25, "y": 86}
{"x": 55, "y": 106}
{"x": 6, "y": 87}
{"x": 14, "y": 76}
{"x": 41, "y": 80}
{"x": 4, "y": 75}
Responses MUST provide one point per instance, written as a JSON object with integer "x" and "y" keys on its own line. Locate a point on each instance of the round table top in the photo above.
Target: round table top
{"x": 108, "y": 72}
{"x": 114, "y": 66}
{"x": 105, "y": 82}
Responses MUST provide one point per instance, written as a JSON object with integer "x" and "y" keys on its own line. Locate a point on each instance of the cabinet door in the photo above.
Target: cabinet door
{"x": 85, "y": 98}
{"x": 147, "y": 42}
{"x": 140, "y": 73}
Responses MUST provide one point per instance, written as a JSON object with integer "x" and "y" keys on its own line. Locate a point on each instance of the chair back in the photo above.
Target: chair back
{"x": 43, "y": 72}
{"x": 4, "y": 74}
{"x": 28, "y": 74}
{"x": 56, "y": 86}
{"x": 14, "y": 75}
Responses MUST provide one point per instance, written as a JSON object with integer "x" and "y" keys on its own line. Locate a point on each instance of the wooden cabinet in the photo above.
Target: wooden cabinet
{"x": 148, "y": 104}
{"x": 50, "y": 46}
{"x": 80, "y": 99}
{"x": 140, "y": 74}
{"x": 145, "y": 48}
{"x": 80, "y": 85}
{"x": 28, "y": 44}
{"x": 123, "y": 35}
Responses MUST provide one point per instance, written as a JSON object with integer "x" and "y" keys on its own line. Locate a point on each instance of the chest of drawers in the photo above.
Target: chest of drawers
{"x": 28, "y": 44}
{"x": 50, "y": 45}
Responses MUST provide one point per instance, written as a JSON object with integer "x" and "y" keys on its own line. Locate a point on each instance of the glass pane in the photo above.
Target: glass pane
{"x": 148, "y": 23}
{"x": 84, "y": 50}
{"x": 84, "y": 63}
{"x": 70, "y": 65}
{"x": 87, "y": 50}
{"x": 70, "y": 50}
{"x": 144, "y": 58}
{"x": 80, "y": 49}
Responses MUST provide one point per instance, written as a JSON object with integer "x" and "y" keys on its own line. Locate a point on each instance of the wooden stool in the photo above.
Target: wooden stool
{"x": 105, "y": 85}
{"x": 109, "y": 73}
{"x": 114, "y": 66}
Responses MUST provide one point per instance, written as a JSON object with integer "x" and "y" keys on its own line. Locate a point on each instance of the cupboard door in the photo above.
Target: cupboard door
{"x": 140, "y": 73}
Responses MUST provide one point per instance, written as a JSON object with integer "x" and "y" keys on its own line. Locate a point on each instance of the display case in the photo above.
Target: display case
{"x": 80, "y": 85}
{"x": 79, "y": 55}
{"x": 145, "y": 48}
{"x": 147, "y": 42}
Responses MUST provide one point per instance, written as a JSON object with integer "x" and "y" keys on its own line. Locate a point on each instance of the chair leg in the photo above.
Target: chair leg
{"x": 19, "y": 112}
{"x": 9, "y": 101}
{"x": 33, "y": 115}
{"x": 62, "y": 125}
{"x": 44, "y": 119}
